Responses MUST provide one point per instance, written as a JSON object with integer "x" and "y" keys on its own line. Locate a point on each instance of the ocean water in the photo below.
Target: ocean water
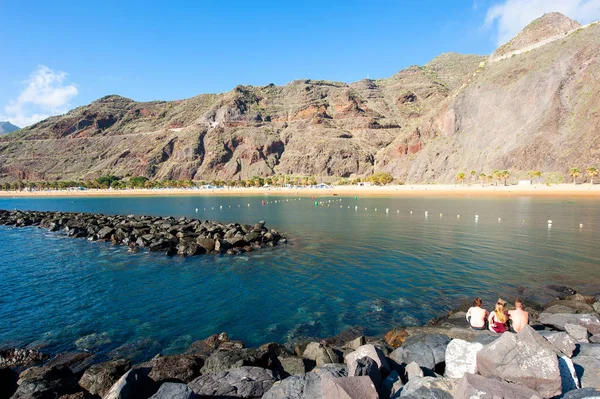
{"x": 348, "y": 263}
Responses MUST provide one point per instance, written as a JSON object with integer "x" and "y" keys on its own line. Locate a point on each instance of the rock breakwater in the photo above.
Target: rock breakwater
{"x": 183, "y": 236}
{"x": 559, "y": 358}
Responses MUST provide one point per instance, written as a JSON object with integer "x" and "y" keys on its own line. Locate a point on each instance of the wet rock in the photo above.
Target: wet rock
{"x": 172, "y": 390}
{"x": 577, "y": 332}
{"x": 176, "y": 368}
{"x": 243, "y": 382}
{"x": 349, "y": 388}
{"x": 461, "y": 358}
{"x": 98, "y": 379}
{"x": 561, "y": 341}
{"x": 308, "y": 386}
{"x": 45, "y": 382}
{"x": 21, "y": 357}
{"x": 525, "y": 358}
{"x": 350, "y": 336}
{"x": 134, "y": 384}
{"x": 561, "y": 289}
{"x": 477, "y": 386}
{"x": 76, "y": 361}
{"x": 321, "y": 354}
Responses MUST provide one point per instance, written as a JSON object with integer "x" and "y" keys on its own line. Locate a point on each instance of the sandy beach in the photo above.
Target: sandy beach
{"x": 439, "y": 190}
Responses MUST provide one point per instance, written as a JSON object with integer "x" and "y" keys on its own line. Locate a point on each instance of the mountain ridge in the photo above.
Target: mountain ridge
{"x": 7, "y": 127}
{"x": 536, "y": 110}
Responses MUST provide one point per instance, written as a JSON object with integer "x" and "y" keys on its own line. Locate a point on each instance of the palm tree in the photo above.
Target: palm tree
{"x": 497, "y": 175}
{"x": 461, "y": 178}
{"x": 536, "y": 173}
{"x": 473, "y": 175}
{"x": 575, "y": 173}
{"x": 592, "y": 172}
{"x": 505, "y": 174}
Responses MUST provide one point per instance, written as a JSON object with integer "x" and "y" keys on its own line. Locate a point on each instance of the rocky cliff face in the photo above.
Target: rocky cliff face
{"x": 535, "y": 110}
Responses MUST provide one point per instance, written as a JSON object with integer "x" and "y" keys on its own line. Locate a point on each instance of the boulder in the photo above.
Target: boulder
{"x": 349, "y": 388}
{"x": 390, "y": 385}
{"x": 173, "y": 390}
{"x": 321, "y": 354}
{"x": 395, "y": 338}
{"x": 575, "y": 305}
{"x": 134, "y": 384}
{"x": 525, "y": 358}
{"x": 356, "y": 343}
{"x": 21, "y": 357}
{"x": 176, "y": 368}
{"x": 243, "y": 382}
{"x": 476, "y": 386}
{"x": 207, "y": 346}
{"x": 592, "y": 350}
{"x": 595, "y": 339}
{"x": 554, "y": 309}
{"x": 45, "y": 382}
{"x": 308, "y": 386}
{"x": 568, "y": 375}
{"x": 76, "y": 361}
{"x": 223, "y": 360}
{"x": 366, "y": 367}
{"x": 577, "y": 332}
{"x": 207, "y": 243}
{"x": 437, "y": 343}
{"x": 293, "y": 365}
{"x": 413, "y": 370}
{"x": 461, "y": 358}
{"x": 583, "y": 393}
{"x": 558, "y": 321}
{"x": 419, "y": 353}
{"x": 98, "y": 379}
{"x": 561, "y": 341}
{"x": 366, "y": 351}
{"x": 429, "y": 387}
{"x": 105, "y": 233}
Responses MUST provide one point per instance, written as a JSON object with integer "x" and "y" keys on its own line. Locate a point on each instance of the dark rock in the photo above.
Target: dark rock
{"x": 390, "y": 385}
{"x": 223, "y": 360}
{"x": 584, "y": 393}
{"x": 76, "y": 361}
{"x": 105, "y": 233}
{"x": 134, "y": 384}
{"x": 420, "y": 353}
{"x": 176, "y": 368}
{"x": 561, "y": 289}
{"x": 369, "y": 351}
{"x": 172, "y": 390}
{"x": 8, "y": 382}
{"x": 207, "y": 243}
{"x": 21, "y": 357}
{"x": 45, "y": 382}
{"x": 99, "y": 378}
{"x": 568, "y": 374}
{"x": 525, "y": 358}
{"x": 476, "y": 386}
{"x": 366, "y": 366}
{"x": 559, "y": 320}
{"x": 575, "y": 306}
{"x": 207, "y": 346}
{"x": 437, "y": 343}
{"x": 243, "y": 382}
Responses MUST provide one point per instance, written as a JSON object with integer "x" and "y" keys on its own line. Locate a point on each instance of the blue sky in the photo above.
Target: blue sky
{"x": 62, "y": 54}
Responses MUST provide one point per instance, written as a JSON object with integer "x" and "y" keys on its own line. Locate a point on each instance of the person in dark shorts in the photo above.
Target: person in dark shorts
{"x": 477, "y": 316}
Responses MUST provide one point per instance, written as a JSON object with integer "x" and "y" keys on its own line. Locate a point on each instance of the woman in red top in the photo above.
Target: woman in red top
{"x": 498, "y": 319}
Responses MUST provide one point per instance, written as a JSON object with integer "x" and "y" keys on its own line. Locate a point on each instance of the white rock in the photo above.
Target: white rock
{"x": 461, "y": 357}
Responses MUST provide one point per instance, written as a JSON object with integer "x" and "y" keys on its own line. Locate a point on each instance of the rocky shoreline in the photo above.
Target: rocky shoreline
{"x": 183, "y": 236}
{"x": 556, "y": 356}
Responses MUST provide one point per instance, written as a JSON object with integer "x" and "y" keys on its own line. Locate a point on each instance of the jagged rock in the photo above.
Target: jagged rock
{"x": 99, "y": 378}
{"x": 577, "y": 332}
{"x": 419, "y": 353}
{"x": 558, "y": 321}
{"x": 173, "y": 390}
{"x": 561, "y": 341}
{"x": 293, "y": 365}
{"x": 586, "y": 349}
{"x": 577, "y": 306}
{"x": 568, "y": 375}
{"x": 45, "y": 382}
{"x": 176, "y": 368}
{"x": 366, "y": 351}
{"x": 476, "y": 386}
{"x": 437, "y": 343}
{"x": 390, "y": 385}
{"x": 366, "y": 366}
{"x": 429, "y": 387}
{"x": 223, "y": 360}
{"x": 308, "y": 386}
{"x": 461, "y": 358}
{"x": 243, "y": 382}
{"x": 586, "y": 368}
{"x": 134, "y": 384}
{"x": 321, "y": 354}
{"x": 584, "y": 393}
{"x": 525, "y": 358}
{"x": 349, "y": 388}
{"x": 356, "y": 343}
{"x": 413, "y": 370}
{"x": 207, "y": 346}
{"x": 76, "y": 361}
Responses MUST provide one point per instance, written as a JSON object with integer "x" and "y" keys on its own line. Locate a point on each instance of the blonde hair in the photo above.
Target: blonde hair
{"x": 499, "y": 311}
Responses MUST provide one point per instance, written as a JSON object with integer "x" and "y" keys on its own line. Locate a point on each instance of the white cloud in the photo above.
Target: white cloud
{"x": 46, "y": 93}
{"x": 510, "y": 16}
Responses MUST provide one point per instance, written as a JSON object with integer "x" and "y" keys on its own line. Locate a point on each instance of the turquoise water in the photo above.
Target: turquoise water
{"x": 343, "y": 267}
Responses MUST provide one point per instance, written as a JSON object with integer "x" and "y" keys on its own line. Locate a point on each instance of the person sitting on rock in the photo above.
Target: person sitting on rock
{"x": 497, "y": 320}
{"x": 518, "y": 318}
{"x": 477, "y": 316}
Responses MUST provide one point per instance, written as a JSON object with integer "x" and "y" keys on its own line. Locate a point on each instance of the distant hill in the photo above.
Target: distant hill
{"x": 7, "y": 127}
{"x": 534, "y": 106}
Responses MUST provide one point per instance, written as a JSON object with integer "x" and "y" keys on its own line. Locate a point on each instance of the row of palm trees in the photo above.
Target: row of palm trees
{"x": 503, "y": 175}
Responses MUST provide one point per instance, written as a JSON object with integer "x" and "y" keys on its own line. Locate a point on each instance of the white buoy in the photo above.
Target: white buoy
{"x": 340, "y": 206}
{"x": 411, "y": 212}
{"x": 549, "y": 221}
{"x": 476, "y": 216}
{"x": 398, "y": 211}
{"x": 440, "y": 215}
{"x": 387, "y": 210}
{"x": 213, "y": 207}
{"x": 365, "y": 209}
{"x": 426, "y": 212}
{"x": 499, "y": 219}
{"x": 523, "y": 220}
{"x": 356, "y": 208}
{"x": 458, "y": 216}
{"x": 580, "y": 225}
{"x": 196, "y": 210}
{"x": 221, "y": 207}
{"x": 375, "y": 209}
{"x": 248, "y": 204}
